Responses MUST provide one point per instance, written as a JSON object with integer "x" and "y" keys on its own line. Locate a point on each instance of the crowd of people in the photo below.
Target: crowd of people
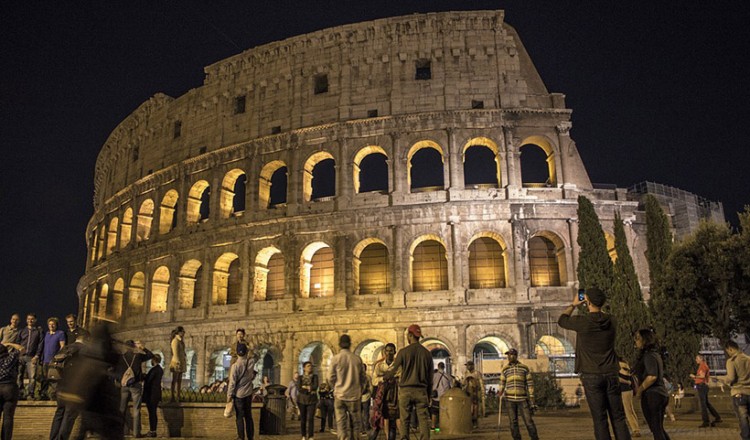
{"x": 93, "y": 377}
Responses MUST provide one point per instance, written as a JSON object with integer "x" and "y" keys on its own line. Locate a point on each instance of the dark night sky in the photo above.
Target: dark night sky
{"x": 659, "y": 91}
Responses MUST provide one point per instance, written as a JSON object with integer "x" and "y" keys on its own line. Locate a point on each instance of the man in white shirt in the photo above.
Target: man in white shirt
{"x": 347, "y": 378}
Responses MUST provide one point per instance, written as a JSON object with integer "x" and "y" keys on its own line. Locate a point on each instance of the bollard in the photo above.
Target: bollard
{"x": 455, "y": 412}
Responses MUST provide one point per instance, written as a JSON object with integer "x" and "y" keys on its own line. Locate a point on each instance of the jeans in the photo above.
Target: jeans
{"x": 136, "y": 393}
{"x": 705, "y": 405}
{"x": 341, "y": 408}
{"x": 326, "y": 414}
{"x": 418, "y": 399}
{"x": 742, "y": 409}
{"x": 604, "y": 399}
{"x": 243, "y": 409}
{"x": 307, "y": 419}
{"x": 366, "y": 415}
{"x": 653, "y": 406}
{"x": 28, "y": 369}
{"x": 516, "y": 408}
{"x": 8, "y": 402}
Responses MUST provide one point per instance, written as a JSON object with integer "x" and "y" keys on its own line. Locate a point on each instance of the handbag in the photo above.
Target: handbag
{"x": 229, "y": 410}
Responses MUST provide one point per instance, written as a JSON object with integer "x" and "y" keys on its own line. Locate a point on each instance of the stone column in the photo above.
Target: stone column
{"x": 563, "y": 139}
{"x": 519, "y": 245}
{"x": 574, "y": 251}
{"x": 246, "y": 297}
{"x": 397, "y": 167}
{"x": 455, "y": 176}
{"x": 513, "y": 156}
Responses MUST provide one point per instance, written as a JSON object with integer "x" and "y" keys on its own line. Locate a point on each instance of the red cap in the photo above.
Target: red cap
{"x": 415, "y": 330}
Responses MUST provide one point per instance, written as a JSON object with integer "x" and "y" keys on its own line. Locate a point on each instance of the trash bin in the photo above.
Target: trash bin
{"x": 273, "y": 413}
{"x": 455, "y": 412}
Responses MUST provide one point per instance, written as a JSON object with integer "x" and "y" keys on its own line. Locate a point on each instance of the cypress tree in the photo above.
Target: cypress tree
{"x": 658, "y": 241}
{"x": 626, "y": 300}
{"x": 594, "y": 265}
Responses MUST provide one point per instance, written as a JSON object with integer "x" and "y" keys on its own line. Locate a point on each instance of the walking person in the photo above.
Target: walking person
{"x": 152, "y": 393}
{"x": 65, "y": 413}
{"x": 701, "y": 379}
{"x": 441, "y": 383}
{"x": 365, "y": 399}
{"x": 649, "y": 369}
{"x": 292, "y": 393}
{"x": 679, "y": 395}
{"x": 178, "y": 363}
{"x": 31, "y": 338}
{"x": 596, "y": 363}
{"x": 517, "y": 390}
{"x": 240, "y": 392}
{"x": 325, "y": 405}
{"x": 307, "y": 400}
{"x": 415, "y": 385}
{"x": 627, "y": 390}
{"x": 347, "y": 377}
{"x": 9, "y": 355}
{"x": 130, "y": 373}
{"x": 738, "y": 378}
{"x": 474, "y": 387}
{"x": 54, "y": 341}
{"x": 385, "y": 406}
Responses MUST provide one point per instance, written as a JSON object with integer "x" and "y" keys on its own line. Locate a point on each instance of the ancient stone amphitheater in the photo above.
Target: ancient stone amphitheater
{"x": 356, "y": 179}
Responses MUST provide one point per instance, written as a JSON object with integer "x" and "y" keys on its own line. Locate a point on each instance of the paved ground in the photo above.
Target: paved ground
{"x": 559, "y": 425}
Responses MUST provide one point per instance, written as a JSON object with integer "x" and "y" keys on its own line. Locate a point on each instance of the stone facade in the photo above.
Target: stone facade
{"x": 187, "y": 229}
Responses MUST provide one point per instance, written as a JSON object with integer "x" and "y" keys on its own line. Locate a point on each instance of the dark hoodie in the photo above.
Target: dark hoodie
{"x": 595, "y": 342}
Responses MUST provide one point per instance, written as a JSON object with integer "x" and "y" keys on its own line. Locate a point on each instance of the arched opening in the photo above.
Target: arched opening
{"x": 611, "y": 246}
{"x": 272, "y": 184}
{"x": 104, "y": 303}
{"x": 117, "y": 295}
{"x": 319, "y": 177}
{"x": 371, "y": 267}
{"x": 489, "y": 347}
{"x": 429, "y": 265}
{"x": 227, "y": 280}
{"x": 425, "y": 167}
{"x": 268, "y": 366}
{"x": 221, "y": 361}
{"x": 371, "y": 170}
{"x": 537, "y": 163}
{"x": 190, "y": 285}
{"x": 126, "y": 227}
{"x": 440, "y": 353}
{"x": 269, "y": 274}
{"x": 317, "y": 277}
{"x": 168, "y": 212}
{"x": 198, "y": 203}
{"x": 546, "y": 260}
{"x": 145, "y": 218}
{"x": 370, "y": 351}
{"x": 560, "y": 352}
{"x": 320, "y": 355}
{"x": 481, "y": 164}
{"x": 487, "y": 268}
{"x": 136, "y": 294}
{"x": 232, "y": 200}
{"x": 159, "y": 290}
{"x": 112, "y": 235}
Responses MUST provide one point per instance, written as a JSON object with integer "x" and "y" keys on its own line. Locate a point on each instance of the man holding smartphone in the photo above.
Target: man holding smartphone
{"x": 596, "y": 362}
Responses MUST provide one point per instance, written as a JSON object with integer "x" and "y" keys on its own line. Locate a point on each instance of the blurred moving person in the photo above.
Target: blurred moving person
{"x": 9, "y": 355}
{"x": 152, "y": 393}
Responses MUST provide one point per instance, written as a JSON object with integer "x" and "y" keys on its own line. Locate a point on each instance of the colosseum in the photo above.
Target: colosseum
{"x": 355, "y": 179}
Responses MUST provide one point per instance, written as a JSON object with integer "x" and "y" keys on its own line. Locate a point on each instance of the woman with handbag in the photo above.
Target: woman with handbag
{"x": 649, "y": 369}
{"x": 240, "y": 392}
{"x": 307, "y": 400}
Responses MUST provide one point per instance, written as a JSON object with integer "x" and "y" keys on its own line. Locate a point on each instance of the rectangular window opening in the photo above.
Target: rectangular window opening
{"x": 423, "y": 70}
{"x": 177, "y": 132}
{"x": 477, "y": 104}
{"x": 135, "y": 153}
{"x": 202, "y": 150}
{"x": 239, "y": 104}
{"x": 276, "y": 129}
{"x": 321, "y": 83}
{"x": 372, "y": 113}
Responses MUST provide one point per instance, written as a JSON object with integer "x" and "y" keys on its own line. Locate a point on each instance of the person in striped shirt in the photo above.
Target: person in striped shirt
{"x": 517, "y": 390}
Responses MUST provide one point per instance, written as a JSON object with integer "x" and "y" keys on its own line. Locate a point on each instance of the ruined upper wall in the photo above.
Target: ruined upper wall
{"x": 473, "y": 58}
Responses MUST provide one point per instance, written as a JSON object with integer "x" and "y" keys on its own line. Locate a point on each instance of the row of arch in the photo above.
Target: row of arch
{"x": 372, "y": 271}
{"x": 425, "y": 171}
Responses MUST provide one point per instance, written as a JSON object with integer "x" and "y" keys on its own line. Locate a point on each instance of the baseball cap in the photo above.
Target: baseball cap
{"x": 512, "y": 351}
{"x": 415, "y": 330}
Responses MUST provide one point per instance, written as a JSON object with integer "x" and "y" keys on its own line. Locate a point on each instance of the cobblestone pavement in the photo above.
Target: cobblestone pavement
{"x": 559, "y": 425}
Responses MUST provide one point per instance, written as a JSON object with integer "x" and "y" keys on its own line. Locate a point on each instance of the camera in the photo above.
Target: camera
{"x": 581, "y": 295}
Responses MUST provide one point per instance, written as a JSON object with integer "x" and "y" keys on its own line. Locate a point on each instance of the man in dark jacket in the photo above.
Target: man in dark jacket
{"x": 152, "y": 393}
{"x": 596, "y": 363}
{"x": 415, "y": 385}
{"x": 135, "y": 354}
{"x": 31, "y": 339}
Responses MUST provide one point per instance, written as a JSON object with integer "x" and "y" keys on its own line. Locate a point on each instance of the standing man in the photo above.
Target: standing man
{"x": 474, "y": 387}
{"x": 415, "y": 386}
{"x": 74, "y": 330}
{"x": 385, "y": 410}
{"x": 130, "y": 372}
{"x": 596, "y": 363}
{"x": 517, "y": 388}
{"x": 442, "y": 383}
{"x": 701, "y": 379}
{"x": 9, "y": 333}
{"x": 152, "y": 393}
{"x": 738, "y": 378}
{"x": 30, "y": 338}
{"x": 348, "y": 378}
{"x": 291, "y": 394}
{"x": 54, "y": 341}
{"x": 240, "y": 339}
{"x": 240, "y": 392}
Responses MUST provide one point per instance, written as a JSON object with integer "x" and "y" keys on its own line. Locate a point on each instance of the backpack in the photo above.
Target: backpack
{"x": 128, "y": 378}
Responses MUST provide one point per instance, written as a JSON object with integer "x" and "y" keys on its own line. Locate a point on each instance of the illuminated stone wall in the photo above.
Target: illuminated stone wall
{"x": 190, "y": 228}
